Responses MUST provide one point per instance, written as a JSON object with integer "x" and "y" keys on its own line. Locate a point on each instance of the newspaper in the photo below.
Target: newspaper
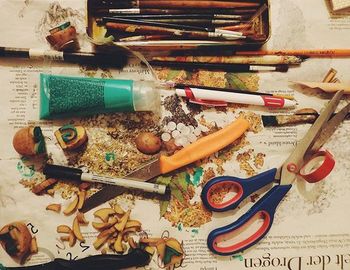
{"x": 311, "y": 228}
{"x": 340, "y": 4}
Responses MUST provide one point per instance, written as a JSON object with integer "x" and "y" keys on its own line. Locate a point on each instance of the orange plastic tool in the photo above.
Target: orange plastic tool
{"x": 202, "y": 148}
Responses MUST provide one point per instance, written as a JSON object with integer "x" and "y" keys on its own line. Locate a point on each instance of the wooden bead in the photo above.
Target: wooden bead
{"x": 29, "y": 141}
{"x": 71, "y": 137}
{"x": 148, "y": 143}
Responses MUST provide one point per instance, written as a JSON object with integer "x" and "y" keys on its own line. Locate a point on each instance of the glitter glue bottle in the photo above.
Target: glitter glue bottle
{"x": 62, "y": 96}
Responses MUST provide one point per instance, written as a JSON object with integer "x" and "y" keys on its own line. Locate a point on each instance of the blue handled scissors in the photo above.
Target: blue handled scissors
{"x": 265, "y": 208}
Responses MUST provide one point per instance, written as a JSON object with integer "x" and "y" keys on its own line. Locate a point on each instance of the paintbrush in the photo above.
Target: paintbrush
{"x": 195, "y": 21}
{"x": 156, "y": 30}
{"x": 130, "y": 11}
{"x": 181, "y": 16}
{"x": 106, "y": 20}
{"x": 221, "y": 67}
{"x": 167, "y": 37}
{"x": 306, "y": 53}
{"x": 252, "y": 60}
{"x": 114, "y": 59}
{"x": 149, "y": 37}
{"x": 182, "y": 4}
{"x": 294, "y": 119}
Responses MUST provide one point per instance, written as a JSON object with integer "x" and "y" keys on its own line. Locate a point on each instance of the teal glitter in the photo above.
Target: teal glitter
{"x": 39, "y": 140}
{"x": 198, "y": 172}
{"x": 69, "y": 133}
{"x": 110, "y": 156}
{"x": 83, "y": 95}
{"x": 62, "y": 96}
{"x": 240, "y": 257}
{"x": 25, "y": 171}
{"x": 188, "y": 179}
{"x": 197, "y": 176}
{"x": 194, "y": 232}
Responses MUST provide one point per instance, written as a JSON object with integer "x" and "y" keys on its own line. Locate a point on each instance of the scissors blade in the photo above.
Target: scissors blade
{"x": 144, "y": 173}
{"x": 331, "y": 127}
{"x": 297, "y": 156}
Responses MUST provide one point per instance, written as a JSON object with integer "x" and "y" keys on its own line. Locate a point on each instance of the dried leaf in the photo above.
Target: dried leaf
{"x": 163, "y": 180}
{"x": 180, "y": 181}
{"x": 163, "y": 207}
{"x": 176, "y": 192}
{"x": 235, "y": 81}
{"x": 173, "y": 74}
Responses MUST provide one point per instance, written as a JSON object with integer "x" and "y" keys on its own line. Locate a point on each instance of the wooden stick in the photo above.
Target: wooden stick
{"x": 306, "y": 53}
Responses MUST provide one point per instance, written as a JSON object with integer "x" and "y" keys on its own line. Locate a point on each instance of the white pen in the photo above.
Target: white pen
{"x": 198, "y": 94}
{"x": 69, "y": 173}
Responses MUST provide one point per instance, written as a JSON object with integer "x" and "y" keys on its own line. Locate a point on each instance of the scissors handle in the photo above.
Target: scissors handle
{"x": 242, "y": 187}
{"x": 264, "y": 209}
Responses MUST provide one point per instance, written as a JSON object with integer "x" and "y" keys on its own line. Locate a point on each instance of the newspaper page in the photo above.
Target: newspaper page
{"x": 311, "y": 226}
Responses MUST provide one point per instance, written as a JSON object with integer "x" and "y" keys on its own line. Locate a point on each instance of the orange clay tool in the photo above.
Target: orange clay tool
{"x": 200, "y": 149}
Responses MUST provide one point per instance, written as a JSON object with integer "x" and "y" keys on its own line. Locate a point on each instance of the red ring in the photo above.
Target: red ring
{"x": 322, "y": 171}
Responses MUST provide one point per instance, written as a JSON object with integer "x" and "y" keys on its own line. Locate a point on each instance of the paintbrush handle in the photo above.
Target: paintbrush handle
{"x": 251, "y": 60}
{"x": 115, "y": 59}
{"x": 178, "y": 4}
{"x": 221, "y": 67}
{"x": 307, "y": 53}
{"x": 193, "y": 4}
{"x": 180, "y": 16}
{"x": 143, "y": 29}
{"x": 160, "y": 11}
{"x": 157, "y": 23}
{"x": 156, "y": 30}
{"x": 237, "y": 27}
